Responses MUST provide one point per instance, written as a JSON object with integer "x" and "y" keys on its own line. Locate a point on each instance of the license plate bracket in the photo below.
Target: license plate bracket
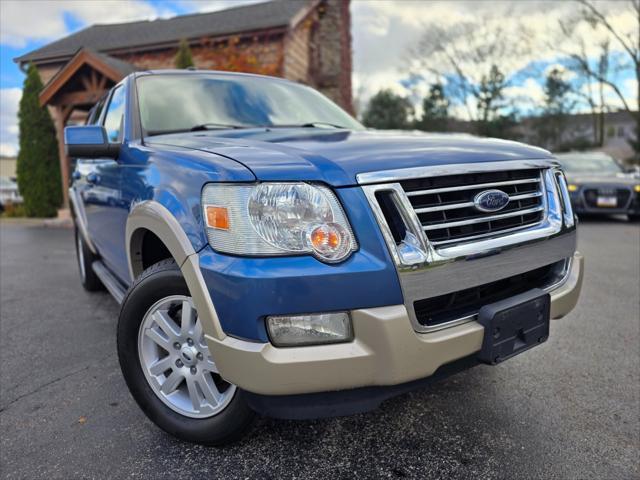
{"x": 514, "y": 325}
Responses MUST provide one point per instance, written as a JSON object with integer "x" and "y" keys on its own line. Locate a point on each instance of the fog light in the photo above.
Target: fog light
{"x": 312, "y": 329}
{"x": 573, "y": 188}
{"x": 636, "y": 189}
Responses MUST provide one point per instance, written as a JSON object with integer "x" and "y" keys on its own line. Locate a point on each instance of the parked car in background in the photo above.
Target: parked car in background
{"x": 598, "y": 185}
{"x": 9, "y": 193}
{"x": 273, "y": 256}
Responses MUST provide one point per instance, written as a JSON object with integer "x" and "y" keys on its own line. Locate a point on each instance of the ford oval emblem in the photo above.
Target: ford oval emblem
{"x": 491, "y": 200}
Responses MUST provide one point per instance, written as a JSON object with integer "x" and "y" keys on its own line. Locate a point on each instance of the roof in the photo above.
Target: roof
{"x": 109, "y": 67}
{"x": 121, "y": 66}
{"x": 105, "y": 38}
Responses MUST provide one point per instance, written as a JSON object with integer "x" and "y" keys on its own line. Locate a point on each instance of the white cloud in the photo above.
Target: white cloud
{"x": 214, "y": 5}
{"x": 384, "y": 31}
{"x": 526, "y": 96}
{"x": 9, "y": 100}
{"x": 23, "y": 21}
{"x": 630, "y": 91}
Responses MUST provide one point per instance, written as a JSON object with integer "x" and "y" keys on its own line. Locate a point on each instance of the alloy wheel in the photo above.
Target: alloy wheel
{"x": 176, "y": 361}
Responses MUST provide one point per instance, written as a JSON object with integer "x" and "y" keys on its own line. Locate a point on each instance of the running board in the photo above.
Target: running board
{"x": 110, "y": 282}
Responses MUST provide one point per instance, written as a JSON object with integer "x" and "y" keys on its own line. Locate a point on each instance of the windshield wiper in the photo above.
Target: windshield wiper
{"x": 214, "y": 126}
{"x": 307, "y": 125}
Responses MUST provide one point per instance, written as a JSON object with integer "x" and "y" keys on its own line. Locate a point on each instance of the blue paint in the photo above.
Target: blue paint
{"x": 246, "y": 290}
{"x": 172, "y": 170}
{"x": 336, "y": 157}
{"x": 84, "y": 135}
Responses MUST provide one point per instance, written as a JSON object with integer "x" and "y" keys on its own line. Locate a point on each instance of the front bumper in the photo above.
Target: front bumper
{"x": 386, "y": 351}
{"x": 581, "y": 206}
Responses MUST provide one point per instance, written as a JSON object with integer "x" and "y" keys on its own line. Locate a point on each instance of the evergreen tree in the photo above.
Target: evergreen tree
{"x": 386, "y": 110}
{"x": 38, "y": 165}
{"x": 558, "y": 104}
{"x": 491, "y": 103}
{"x": 435, "y": 110}
{"x": 183, "y": 57}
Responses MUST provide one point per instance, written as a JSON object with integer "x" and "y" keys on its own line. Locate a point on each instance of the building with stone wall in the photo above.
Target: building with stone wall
{"x": 307, "y": 41}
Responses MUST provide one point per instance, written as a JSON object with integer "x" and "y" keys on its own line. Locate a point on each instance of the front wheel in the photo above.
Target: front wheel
{"x": 634, "y": 217}
{"x": 168, "y": 367}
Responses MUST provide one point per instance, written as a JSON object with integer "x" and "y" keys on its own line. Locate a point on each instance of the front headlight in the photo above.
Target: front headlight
{"x": 277, "y": 219}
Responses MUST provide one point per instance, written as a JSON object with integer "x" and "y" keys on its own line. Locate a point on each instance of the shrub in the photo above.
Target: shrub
{"x": 183, "y": 57}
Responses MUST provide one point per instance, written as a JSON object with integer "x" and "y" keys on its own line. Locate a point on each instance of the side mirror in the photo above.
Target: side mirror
{"x": 89, "y": 141}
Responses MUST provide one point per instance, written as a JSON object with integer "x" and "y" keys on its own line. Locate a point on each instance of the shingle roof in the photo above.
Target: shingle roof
{"x": 277, "y": 13}
{"x": 123, "y": 67}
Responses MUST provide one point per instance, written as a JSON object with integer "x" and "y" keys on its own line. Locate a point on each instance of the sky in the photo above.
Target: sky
{"x": 384, "y": 32}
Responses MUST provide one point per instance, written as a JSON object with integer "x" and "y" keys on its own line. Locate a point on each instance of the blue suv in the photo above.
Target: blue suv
{"x": 271, "y": 255}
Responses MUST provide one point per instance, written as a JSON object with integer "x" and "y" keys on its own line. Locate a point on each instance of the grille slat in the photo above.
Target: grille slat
{"x": 483, "y": 219}
{"x": 469, "y": 187}
{"x": 453, "y": 206}
{"x": 447, "y": 213}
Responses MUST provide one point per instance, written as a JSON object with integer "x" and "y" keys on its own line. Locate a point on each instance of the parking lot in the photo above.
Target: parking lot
{"x": 567, "y": 409}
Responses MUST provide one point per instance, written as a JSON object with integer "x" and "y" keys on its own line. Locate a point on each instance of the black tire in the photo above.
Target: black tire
{"x": 634, "y": 218}
{"x": 85, "y": 257}
{"x": 157, "y": 282}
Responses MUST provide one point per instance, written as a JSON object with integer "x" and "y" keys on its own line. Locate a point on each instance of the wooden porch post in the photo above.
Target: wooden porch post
{"x": 61, "y": 117}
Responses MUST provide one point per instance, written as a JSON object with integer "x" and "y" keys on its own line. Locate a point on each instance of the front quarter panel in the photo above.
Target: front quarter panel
{"x": 174, "y": 177}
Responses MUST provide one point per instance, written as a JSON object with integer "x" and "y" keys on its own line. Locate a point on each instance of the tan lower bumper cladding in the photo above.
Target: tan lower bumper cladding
{"x": 386, "y": 351}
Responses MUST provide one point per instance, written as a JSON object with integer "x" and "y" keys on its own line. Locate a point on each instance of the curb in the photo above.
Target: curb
{"x": 38, "y": 222}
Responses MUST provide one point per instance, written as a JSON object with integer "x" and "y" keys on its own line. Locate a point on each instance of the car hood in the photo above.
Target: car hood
{"x": 610, "y": 179}
{"x": 337, "y": 156}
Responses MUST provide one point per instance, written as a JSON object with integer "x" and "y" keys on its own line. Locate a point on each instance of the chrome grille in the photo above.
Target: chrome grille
{"x": 445, "y": 204}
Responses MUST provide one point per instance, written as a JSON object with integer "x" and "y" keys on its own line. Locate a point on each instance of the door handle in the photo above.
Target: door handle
{"x": 93, "y": 177}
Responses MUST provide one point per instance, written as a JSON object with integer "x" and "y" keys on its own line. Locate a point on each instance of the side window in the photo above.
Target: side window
{"x": 95, "y": 112}
{"x": 115, "y": 115}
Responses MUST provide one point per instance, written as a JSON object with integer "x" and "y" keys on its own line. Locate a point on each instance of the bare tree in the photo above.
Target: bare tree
{"x": 475, "y": 59}
{"x": 600, "y": 71}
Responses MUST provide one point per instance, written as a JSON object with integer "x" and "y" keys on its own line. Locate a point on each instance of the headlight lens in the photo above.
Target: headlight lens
{"x": 278, "y": 219}
{"x": 636, "y": 189}
{"x": 572, "y": 187}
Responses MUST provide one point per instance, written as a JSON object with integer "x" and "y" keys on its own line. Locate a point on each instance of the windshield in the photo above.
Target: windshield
{"x": 177, "y": 103}
{"x": 589, "y": 164}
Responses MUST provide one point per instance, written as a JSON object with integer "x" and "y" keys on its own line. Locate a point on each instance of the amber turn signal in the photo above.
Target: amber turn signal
{"x": 217, "y": 217}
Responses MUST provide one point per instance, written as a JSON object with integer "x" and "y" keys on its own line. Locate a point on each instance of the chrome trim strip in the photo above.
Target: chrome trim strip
{"x": 428, "y": 269}
{"x": 452, "y": 169}
{"x": 471, "y": 187}
{"x": 481, "y": 235}
{"x": 81, "y": 219}
{"x": 453, "y": 206}
{"x": 561, "y": 182}
{"x": 526, "y": 195}
{"x": 472, "y": 272}
{"x": 473, "y": 221}
{"x": 566, "y": 273}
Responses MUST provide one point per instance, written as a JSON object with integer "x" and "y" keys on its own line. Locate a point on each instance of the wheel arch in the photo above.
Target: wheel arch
{"x": 151, "y": 216}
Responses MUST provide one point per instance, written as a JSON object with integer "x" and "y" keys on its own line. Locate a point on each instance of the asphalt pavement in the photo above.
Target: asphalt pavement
{"x": 568, "y": 409}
